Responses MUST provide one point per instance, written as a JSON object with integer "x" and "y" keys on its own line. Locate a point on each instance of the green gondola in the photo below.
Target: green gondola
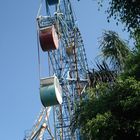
{"x": 50, "y": 91}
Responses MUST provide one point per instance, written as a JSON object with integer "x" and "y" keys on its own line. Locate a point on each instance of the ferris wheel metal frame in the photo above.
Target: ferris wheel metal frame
{"x": 69, "y": 64}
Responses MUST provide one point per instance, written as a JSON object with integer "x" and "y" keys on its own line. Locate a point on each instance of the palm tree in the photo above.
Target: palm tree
{"x": 114, "y": 53}
{"x": 114, "y": 50}
{"x": 102, "y": 74}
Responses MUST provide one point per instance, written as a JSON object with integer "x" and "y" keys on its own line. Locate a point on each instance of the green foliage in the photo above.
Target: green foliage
{"x": 126, "y": 11}
{"x": 111, "y": 111}
{"x": 102, "y": 74}
{"x": 114, "y": 49}
{"x": 136, "y": 36}
{"x": 100, "y": 125}
{"x": 132, "y": 67}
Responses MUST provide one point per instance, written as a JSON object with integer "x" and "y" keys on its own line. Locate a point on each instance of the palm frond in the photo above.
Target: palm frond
{"x": 102, "y": 74}
{"x": 114, "y": 49}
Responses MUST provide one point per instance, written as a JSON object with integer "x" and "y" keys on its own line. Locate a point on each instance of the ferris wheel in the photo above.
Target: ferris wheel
{"x": 60, "y": 91}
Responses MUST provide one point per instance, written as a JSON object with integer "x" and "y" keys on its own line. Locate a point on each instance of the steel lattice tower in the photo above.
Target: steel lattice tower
{"x": 69, "y": 64}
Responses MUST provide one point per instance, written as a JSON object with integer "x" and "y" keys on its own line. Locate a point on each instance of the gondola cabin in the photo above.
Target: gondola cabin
{"x": 47, "y": 34}
{"x": 70, "y": 49}
{"x": 48, "y": 38}
{"x": 52, "y": 2}
{"x": 50, "y": 91}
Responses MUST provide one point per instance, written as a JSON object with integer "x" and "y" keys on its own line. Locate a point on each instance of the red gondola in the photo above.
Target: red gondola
{"x": 48, "y": 38}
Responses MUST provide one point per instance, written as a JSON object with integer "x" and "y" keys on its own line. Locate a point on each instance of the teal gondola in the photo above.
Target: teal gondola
{"x": 50, "y": 91}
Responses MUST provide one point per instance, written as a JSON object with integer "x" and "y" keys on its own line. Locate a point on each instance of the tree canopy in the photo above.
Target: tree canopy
{"x": 111, "y": 111}
{"x": 126, "y": 11}
{"x": 114, "y": 49}
{"x": 110, "y": 108}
